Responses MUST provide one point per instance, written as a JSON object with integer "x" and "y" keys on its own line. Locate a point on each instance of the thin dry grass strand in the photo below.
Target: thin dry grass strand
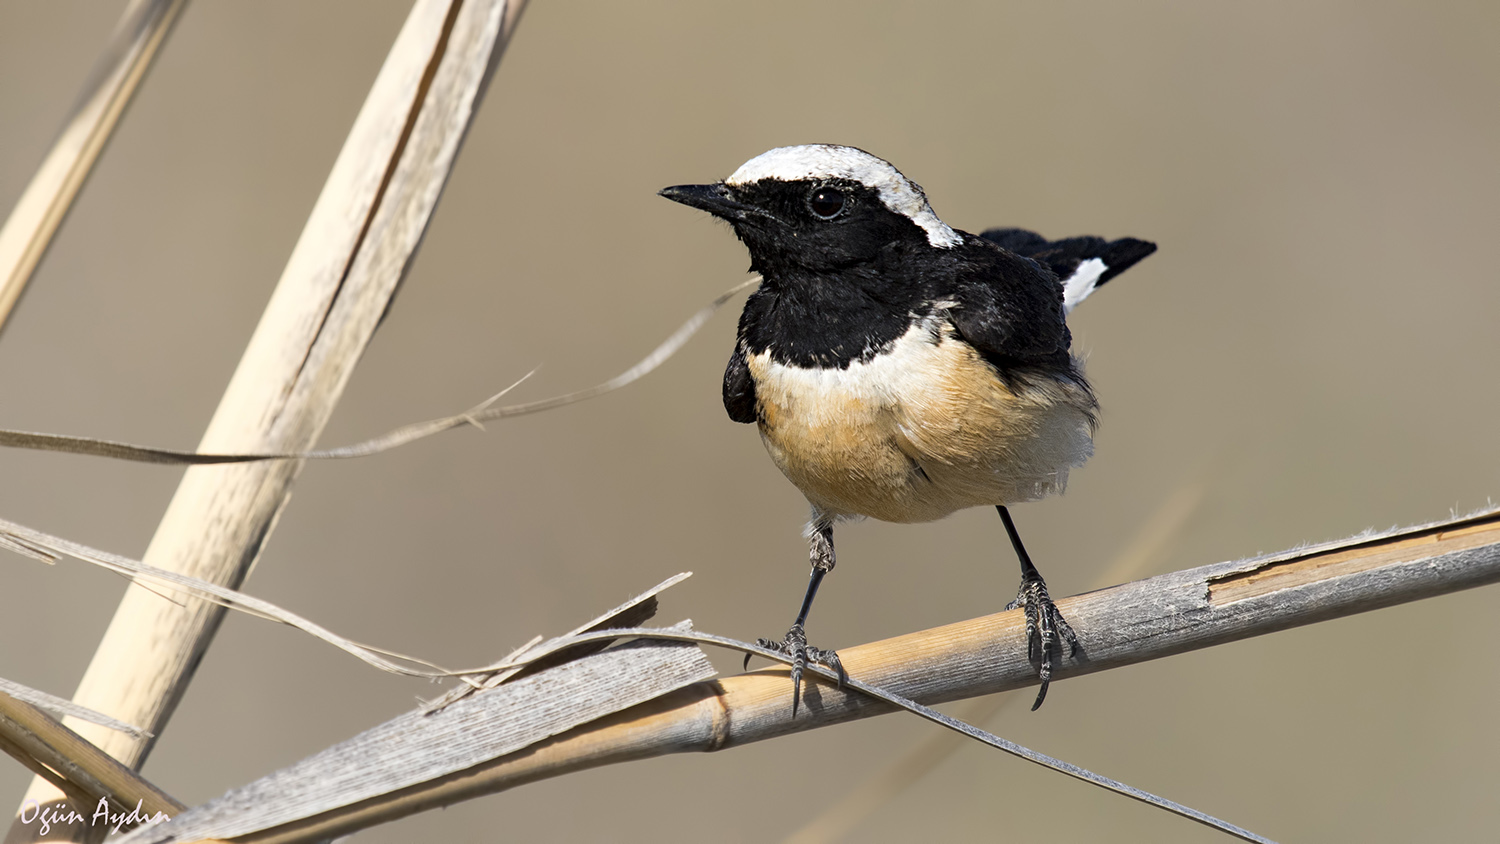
{"x": 27, "y": 549}
{"x": 637, "y": 609}
{"x": 475, "y": 416}
{"x": 633, "y": 613}
{"x": 58, "y": 706}
{"x": 1055, "y": 764}
{"x": 221, "y": 595}
{"x": 838, "y": 818}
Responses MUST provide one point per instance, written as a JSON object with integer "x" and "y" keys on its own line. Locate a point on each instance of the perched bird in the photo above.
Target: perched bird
{"x": 900, "y": 369}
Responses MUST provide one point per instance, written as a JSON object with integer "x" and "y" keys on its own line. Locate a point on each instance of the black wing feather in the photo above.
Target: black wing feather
{"x": 1009, "y": 307}
{"x": 739, "y": 387}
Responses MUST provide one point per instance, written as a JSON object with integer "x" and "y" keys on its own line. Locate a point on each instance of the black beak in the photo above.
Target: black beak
{"x": 715, "y": 199}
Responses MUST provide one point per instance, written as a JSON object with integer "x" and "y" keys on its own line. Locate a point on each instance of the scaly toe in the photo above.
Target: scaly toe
{"x": 795, "y": 647}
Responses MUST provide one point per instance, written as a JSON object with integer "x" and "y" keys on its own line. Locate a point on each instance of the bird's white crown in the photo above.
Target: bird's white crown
{"x": 829, "y": 161}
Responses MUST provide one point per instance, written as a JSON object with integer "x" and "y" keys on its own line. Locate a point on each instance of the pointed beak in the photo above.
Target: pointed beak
{"x": 715, "y": 199}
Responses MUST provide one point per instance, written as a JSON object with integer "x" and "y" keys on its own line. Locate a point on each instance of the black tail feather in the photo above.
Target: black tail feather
{"x": 1064, "y": 256}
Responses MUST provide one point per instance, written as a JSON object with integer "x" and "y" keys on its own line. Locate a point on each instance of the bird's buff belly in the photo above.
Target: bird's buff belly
{"x": 919, "y": 432}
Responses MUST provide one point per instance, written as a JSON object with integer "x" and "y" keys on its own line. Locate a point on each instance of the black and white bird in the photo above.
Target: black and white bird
{"x": 901, "y": 369}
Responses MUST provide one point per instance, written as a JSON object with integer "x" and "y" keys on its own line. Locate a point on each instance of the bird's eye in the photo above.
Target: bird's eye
{"x": 827, "y": 202}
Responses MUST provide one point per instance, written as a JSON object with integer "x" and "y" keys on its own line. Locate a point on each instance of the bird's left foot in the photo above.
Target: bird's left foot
{"x": 1046, "y": 630}
{"x": 795, "y": 646}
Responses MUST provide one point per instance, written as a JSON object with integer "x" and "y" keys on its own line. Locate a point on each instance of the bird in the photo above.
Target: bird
{"x": 903, "y": 370}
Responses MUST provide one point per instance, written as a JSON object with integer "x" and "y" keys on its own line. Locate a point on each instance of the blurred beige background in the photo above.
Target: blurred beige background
{"x": 1315, "y": 344}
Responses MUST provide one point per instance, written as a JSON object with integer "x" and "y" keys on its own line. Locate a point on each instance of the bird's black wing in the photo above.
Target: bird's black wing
{"x": 1063, "y": 257}
{"x": 739, "y": 387}
{"x": 1009, "y": 307}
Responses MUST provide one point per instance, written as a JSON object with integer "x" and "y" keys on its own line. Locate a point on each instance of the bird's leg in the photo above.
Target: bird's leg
{"x": 1046, "y": 629}
{"x": 820, "y": 540}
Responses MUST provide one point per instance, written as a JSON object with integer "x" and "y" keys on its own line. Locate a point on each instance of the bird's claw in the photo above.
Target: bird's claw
{"x": 795, "y": 647}
{"x": 1046, "y": 630}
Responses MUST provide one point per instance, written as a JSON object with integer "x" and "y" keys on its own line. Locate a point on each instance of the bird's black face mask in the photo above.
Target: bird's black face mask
{"x": 818, "y": 225}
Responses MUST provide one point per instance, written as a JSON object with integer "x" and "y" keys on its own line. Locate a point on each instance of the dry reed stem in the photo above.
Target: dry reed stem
{"x": 32, "y": 736}
{"x": 337, "y": 285}
{"x": 1135, "y": 622}
{"x": 40, "y": 210}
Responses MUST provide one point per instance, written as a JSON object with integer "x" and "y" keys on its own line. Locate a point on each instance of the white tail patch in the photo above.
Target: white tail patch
{"x": 1081, "y": 283}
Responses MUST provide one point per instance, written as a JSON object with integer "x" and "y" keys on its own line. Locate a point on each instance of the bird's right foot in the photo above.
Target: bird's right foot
{"x": 1046, "y": 630}
{"x": 795, "y": 646}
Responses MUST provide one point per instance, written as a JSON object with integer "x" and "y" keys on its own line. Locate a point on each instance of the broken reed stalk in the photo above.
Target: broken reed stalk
{"x": 113, "y": 82}
{"x": 66, "y": 759}
{"x": 1135, "y": 622}
{"x": 337, "y": 285}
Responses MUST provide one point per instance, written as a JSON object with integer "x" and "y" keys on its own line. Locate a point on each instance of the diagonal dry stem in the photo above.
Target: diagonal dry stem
{"x": 1134, "y": 622}
{"x": 40, "y": 210}
{"x": 337, "y": 285}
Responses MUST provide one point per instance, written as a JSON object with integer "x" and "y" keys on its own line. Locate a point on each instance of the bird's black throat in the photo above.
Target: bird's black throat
{"x": 830, "y": 320}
